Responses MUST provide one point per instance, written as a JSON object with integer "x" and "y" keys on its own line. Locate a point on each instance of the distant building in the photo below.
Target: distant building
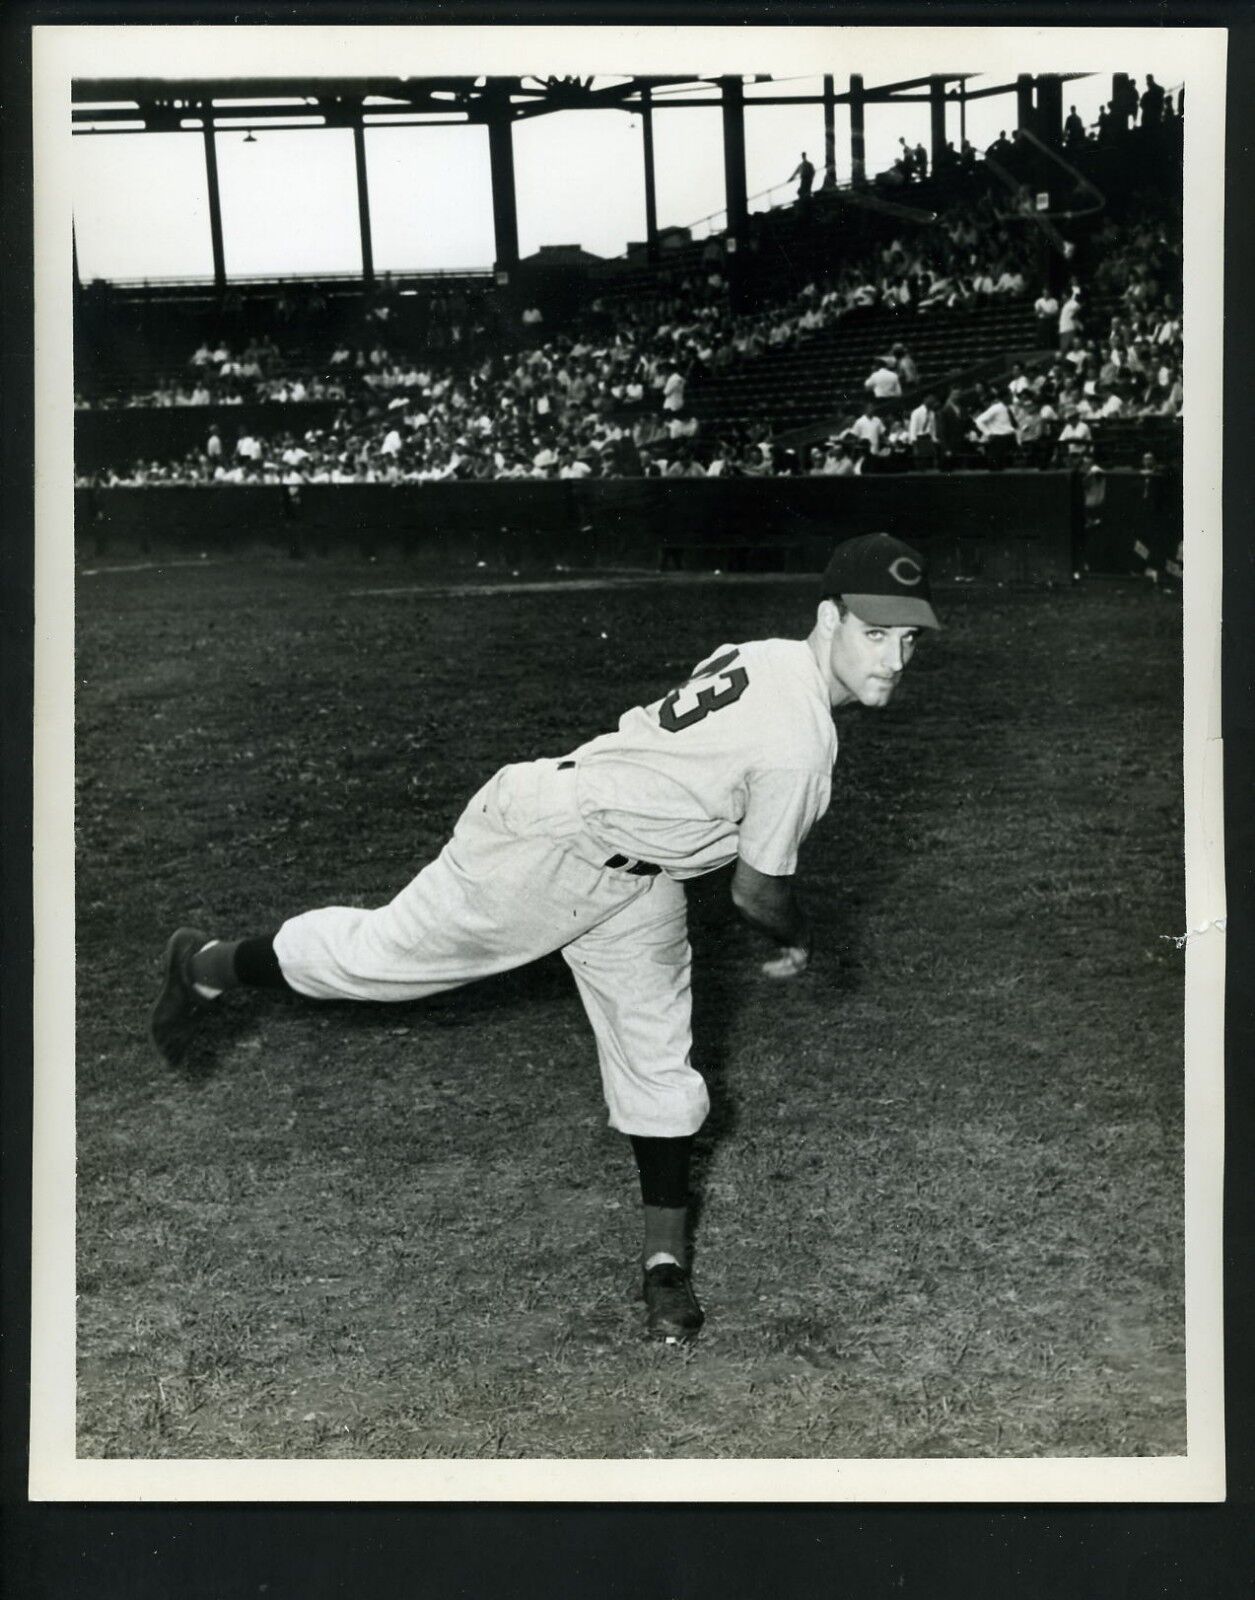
{"x": 668, "y": 239}
{"x": 561, "y": 255}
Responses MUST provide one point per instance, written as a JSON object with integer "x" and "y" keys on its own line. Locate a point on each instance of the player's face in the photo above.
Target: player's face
{"x": 865, "y": 660}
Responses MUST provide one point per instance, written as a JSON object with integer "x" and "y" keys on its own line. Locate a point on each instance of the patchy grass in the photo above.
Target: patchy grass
{"x": 941, "y": 1186}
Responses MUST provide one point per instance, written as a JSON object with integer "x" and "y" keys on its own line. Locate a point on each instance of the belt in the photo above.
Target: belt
{"x": 637, "y": 869}
{"x": 618, "y": 863}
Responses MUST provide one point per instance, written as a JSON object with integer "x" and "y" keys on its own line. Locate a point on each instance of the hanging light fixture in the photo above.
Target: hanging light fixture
{"x": 249, "y": 137}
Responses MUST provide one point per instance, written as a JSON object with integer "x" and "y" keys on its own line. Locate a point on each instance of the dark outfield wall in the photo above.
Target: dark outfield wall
{"x": 1009, "y": 526}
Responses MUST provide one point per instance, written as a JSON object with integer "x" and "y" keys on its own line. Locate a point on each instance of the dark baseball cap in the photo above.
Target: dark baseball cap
{"x": 882, "y": 581}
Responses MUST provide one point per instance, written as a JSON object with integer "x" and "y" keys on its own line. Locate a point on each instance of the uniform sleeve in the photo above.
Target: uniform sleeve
{"x": 782, "y": 808}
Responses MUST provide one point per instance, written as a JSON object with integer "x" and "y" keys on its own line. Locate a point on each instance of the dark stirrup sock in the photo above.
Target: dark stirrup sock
{"x": 257, "y": 965}
{"x": 227, "y": 963}
{"x": 664, "y": 1169}
{"x": 664, "y": 1172}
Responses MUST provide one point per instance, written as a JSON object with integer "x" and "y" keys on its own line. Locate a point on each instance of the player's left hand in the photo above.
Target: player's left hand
{"x": 791, "y": 962}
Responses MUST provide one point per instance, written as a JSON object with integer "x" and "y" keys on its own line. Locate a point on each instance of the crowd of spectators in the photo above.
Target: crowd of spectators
{"x": 1048, "y": 414}
{"x": 1052, "y": 410}
{"x": 610, "y": 397}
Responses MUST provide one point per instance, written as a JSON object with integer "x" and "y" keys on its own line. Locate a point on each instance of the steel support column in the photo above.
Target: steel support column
{"x": 363, "y": 202}
{"x": 733, "y": 107}
{"x": 858, "y": 149}
{"x": 937, "y": 119}
{"x": 505, "y": 222}
{"x": 1050, "y": 108}
{"x": 1024, "y": 102}
{"x": 830, "y": 134}
{"x": 651, "y": 196}
{"x": 215, "y": 205}
{"x": 1121, "y": 98}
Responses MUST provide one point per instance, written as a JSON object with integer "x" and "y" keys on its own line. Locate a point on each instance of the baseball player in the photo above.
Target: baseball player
{"x": 588, "y": 853}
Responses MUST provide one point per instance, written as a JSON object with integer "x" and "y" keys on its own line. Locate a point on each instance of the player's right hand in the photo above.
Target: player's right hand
{"x": 791, "y": 962}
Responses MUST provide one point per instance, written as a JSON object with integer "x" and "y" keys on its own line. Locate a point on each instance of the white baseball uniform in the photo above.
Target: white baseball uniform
{"x": 586, "y": 854}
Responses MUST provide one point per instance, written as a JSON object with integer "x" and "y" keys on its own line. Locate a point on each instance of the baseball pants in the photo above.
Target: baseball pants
{"x": 520, "y": 878}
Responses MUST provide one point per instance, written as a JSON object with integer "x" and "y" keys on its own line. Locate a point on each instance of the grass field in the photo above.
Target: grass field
{"x": 941, "y": 1185}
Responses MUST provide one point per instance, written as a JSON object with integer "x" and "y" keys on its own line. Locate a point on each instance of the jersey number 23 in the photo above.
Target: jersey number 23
{"x": 735, "y": 683}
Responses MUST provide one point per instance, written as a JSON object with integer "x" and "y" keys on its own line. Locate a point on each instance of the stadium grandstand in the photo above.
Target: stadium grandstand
{"x": 1016, "y": 308}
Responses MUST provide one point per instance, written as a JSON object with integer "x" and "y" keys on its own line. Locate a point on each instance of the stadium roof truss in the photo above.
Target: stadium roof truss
{"x": 208, "y": 106}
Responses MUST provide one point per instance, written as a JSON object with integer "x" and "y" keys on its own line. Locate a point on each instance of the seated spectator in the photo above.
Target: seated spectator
{"x": 838, "y": 462}
{"x": 719, "y": 464}
{"x": 1009, "y": 281}
{"x": 1168, "y": 326}
{"x": 760, "y": 462}
{"x": 897, "y": 447}
{"x": 1172, "y": 401}
{"x": 1075, "y": 438}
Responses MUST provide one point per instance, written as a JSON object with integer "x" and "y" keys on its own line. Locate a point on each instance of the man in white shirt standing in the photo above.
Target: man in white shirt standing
{"x": 870, "y": 427}
{"x": 921, "y": 432}
{"x": 588, "y": 853}
{"x": 997, "y": 430}
{"x": 1046, "y": 311}
{"x": 1070, "y": 324}
{"x": 884, "y": 383}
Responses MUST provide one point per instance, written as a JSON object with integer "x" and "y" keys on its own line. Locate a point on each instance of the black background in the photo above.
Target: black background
{"x": 307, "y": 1553}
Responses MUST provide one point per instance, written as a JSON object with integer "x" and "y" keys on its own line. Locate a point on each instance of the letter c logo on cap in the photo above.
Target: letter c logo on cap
{"x": 909, "y": 578}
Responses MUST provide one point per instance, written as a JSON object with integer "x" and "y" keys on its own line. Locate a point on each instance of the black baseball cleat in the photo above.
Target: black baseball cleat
{"x": 671, "y": 1305}
{"x": 173, "y": 1019}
